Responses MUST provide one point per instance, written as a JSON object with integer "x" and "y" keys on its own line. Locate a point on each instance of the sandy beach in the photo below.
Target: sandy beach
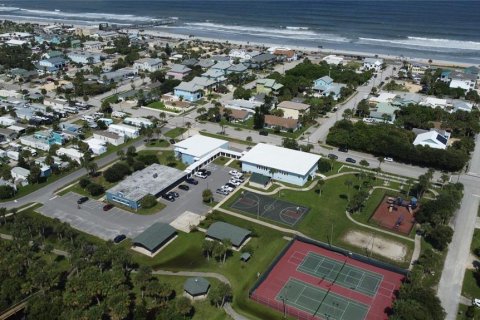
{"x": 155, "y": 32}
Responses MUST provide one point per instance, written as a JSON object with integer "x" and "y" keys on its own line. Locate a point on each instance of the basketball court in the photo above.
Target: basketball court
{"x": 269, "y": 208}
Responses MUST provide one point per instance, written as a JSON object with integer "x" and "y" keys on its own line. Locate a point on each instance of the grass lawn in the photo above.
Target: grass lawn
{"x": 475, "y": 240}
{"x": 328, "y": 210}
{"x": 461, "y": 313}
{"x": 166, "y": 158}
{"x": 173, "y": 133}
{"x": 158, "y": 143}
{"x": 235, "y": 164}
{"x": 225, "y": 137}
{"x": 161, "y": 106}
{"x": 470, "y": 287}
{"x": 203, "y": 308}
{"x": 221, "y": 161}
{"x": 185, "y": 253}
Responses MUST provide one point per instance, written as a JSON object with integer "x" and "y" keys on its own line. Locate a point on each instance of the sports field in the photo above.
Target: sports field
{"x": 312, "y": 282}
{"x": 270, "y": 208}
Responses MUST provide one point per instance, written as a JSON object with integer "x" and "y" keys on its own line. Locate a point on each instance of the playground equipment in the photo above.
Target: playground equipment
{"x": 399, "y": 221}
{"x": 412, "y": 204}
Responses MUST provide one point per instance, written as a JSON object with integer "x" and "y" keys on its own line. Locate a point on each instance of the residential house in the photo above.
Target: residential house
{"x": 71, "y": 153}
{"x": 262, "y": 60}
{"x": 178, "y": 71}
{"x": 374, "y": 64}
{"x": 189, "y": 62}
{"x": 124, "y": 130}
{"x": 435, "y": 103}
{"x": 236, "y": 115}
{"x": 96, "y": 146}
{"x": 148, "y": 64}
{"x": 195, "y": 89}
{"x": 84, "y": 57}
{"x": 93, "y": 45}
{"x": 293, "y": 110}
{"x": 118, "y": 75}
{"x": 386, "y": 97}
{"x": 418, "y": 68}
{"x": 52, "y": 64}
{"x": 215, "y": 74}
{"x": 283, "y": 124}
{"x": 109, "y": 137}
{"x": 6, "y": 121}
{"x": 460, "y": 105}
{"x": 406, "y": 99}
{"x": 384, "y": 112}
{"x": 55, "y": 103}
{"x": 237, "y": 68}
{"x": 42, "y": 140}
{"x": 268, "y": 86}
{"x": 205, "y": 63}
{"x": 20, "y": 175}
{"x": 242, "y": 54}
{"x": 285, "y": 54}
{"x": 240, "y": 104}
{"x": 222, "y": 66}
{"x": 138, "y": 122}
{"x": 7, "y": 135}
{"x": 326, "y": 87}
{"x": 462, "y": 80}
{"x": 52, "y": 54}
{"x": 434, "y": 139}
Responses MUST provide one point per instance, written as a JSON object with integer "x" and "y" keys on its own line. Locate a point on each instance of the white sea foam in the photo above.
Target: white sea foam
{"x": 302, "y": 34}
{"x": 85, "y": 15}
{"x": 296, "y": 28}
{"x": 4, "y": 8}
{"x": 427, "y": 42}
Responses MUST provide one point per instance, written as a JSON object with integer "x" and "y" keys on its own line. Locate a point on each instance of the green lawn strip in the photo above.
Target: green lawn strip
{"x": 462, "y": 309}
{"x": 225, "y": 137}
{"x": 173, "y": 133}
{"x": 235, "y": 164}
{"x": 161, "y": 106}
{"x": 158, "y": 143}
{"x": 221, "y": 161}
{"x": 475, "y": 240}
{"x": 185, "y": 253}
{"x": 470, "y": 287}
{"x": 270, "y": 189}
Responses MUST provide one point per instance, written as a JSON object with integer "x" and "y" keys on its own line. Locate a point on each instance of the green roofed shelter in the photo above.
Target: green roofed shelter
{"x": 155, "y": 236}
{"x": 196, "y": 287}
{"x": 225, "y": 231}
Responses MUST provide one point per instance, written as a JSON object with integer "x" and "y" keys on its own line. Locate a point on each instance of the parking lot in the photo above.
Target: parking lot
{"x": 91, "y": 218}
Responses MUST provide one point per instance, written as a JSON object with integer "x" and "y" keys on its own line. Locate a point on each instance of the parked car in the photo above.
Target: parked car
{"x": 191, "y": 181}
{"x": 230, "y": 185}
{"x": 388, "y": 159}
{"x": 107, "y": 207}
{"x": 227, "y": 188}
{"x": 234, "y": 182}
{"x": 172, "y": 141}
{"x": 241, "y": 180}
{"x": 332, "y": 156}
{"x": 233, "y": 172}
{"x": 200, "y": 175}
{"x": 119, "y": 238}
{"x": 263, "y": 133}
{"x": 82, "y": 200}
{"x": 222, "y": 192}
{"x": 184, "y": 187}
{"x": 168, "y": 197}
{"x": 238, "y": 175}
{"x": 343, "y": 149}
{"x": 351, "y": 160}
{"x": 205, "y": 171}
{"x": 174, "y": 194}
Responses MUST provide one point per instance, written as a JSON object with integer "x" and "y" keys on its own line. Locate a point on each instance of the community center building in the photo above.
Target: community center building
{"x": 282, "y": 164}
{"x": 197, "y": 147}
{"x": 154, "y": 179}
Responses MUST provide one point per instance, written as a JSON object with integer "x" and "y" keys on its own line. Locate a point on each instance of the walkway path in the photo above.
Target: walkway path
{"x": 227, "y": 307}
{"x": 416, "y": 251}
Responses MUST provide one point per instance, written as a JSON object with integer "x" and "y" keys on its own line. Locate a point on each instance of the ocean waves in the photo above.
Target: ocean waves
{"x": 423, "y": 42}
{"x": 299, "y": 33}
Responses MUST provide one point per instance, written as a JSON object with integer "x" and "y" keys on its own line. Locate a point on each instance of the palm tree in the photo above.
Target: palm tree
{"x": 348, "y": 183}
{"x": 188, "y": 124}
{"x": 380, "y": 161}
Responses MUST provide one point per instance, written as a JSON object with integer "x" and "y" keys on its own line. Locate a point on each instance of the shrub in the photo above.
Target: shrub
{"x": 148, "y": 159}
{"x": 6, "y": 192}
{"x": 116, "y": 172}
{"x": 138, "y": 165}
{"x": 95, "y": 189}
{"x": 84, "y": 182}
{"x": 148, "y": 201}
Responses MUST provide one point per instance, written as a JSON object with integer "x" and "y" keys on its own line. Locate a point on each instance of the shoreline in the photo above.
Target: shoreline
{"x": 308, "y": 50}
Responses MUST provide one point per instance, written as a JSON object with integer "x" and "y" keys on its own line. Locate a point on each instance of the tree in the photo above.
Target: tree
{"x": 148, "y": 201}
{"x": 35, "y": 173}
{"x": 258, "y": 119}
{"x": 207, "y": 195}
{"x": 116, "y": 172}
{"x": 220, "y": 294}
{"x": 142, "y": 277}
{"x": 380, "y": 161}
{"x": 290, "y": 143}
{"x": 364, "y": 163}
{"x": 207, "y": 247}
{"x": 95, "y": 189}
{"x": 440, "y": 237}
{"x": 121, "y": 154}
{"x": 242, "y": 93}
{"x": 347, "y": 114}
{"x": 183, "y": 305}
{"x": 348, "y": 183}
{"x": 92, "y": 168}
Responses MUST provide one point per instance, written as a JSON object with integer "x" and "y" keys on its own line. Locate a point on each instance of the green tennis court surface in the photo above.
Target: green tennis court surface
{"x": 342, "y": 274}
{"x": 318, "y": 302}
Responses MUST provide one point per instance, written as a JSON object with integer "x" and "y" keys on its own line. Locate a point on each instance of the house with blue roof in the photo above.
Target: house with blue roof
{"x": 326, "y": 87}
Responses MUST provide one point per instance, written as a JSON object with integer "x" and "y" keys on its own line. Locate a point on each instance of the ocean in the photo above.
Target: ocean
{"x": 442, "y": 30}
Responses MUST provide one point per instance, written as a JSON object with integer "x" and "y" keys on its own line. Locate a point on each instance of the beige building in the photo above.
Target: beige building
{"x": 293, "y": 110}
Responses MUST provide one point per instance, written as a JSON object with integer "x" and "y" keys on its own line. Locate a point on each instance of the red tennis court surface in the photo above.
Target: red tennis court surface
{"x": 399, "y": 219}
{"x": 312, "y": 282}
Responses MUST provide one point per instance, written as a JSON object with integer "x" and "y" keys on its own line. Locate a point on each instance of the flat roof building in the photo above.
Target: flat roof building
{"x": 197, "y": 146}
{"x": 225, "y": 231}
{"x": 282, "y": 164}
{"x": 154, "y": 238}
{"x": 154, "y": 179}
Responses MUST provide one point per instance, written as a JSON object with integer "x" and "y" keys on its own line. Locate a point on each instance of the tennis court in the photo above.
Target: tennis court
{"x": 341, "y": 274}
{"x": 270, "y": 208}
{"x": 320, "y": 303}
{"x": 311, "y": 282}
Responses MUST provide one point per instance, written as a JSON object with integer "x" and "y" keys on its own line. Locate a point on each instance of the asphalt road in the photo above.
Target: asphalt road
{"x": 451, "y": 281}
